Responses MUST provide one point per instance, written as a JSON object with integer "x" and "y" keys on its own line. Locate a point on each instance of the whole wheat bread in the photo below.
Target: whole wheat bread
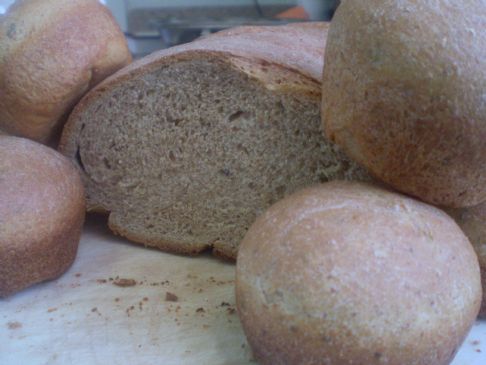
{"x": 186, "y": 147}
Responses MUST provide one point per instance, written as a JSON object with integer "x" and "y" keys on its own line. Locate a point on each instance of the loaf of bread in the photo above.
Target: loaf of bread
{"x": 347, "y": 273}
{"x": 41, "y": 213}
{"x": 472, "y": 221}
{"x": 404, "y": 95}
{"x": 185, "y": 147}
{"x": 51, "y": 53}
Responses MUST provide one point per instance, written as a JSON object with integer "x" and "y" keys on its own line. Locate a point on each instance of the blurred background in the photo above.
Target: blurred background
{"x": 154, "y": 24}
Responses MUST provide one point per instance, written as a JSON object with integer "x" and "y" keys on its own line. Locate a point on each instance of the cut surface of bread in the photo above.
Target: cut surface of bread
{"x": 186, "y": 148}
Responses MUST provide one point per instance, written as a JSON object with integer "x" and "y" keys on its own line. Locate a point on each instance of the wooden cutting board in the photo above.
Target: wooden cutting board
{"x": 122, "y": 304}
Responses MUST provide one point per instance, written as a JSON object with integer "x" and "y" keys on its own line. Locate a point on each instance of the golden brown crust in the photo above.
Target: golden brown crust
{"x": 41, "y": 214}
{"x": 163, "y": 245}
{"x": 51, "y": 53}
{"x": 403, "y": 95}
{"x": 482, "y": 310}
{"x": 347, "y": 273}
{"x": 223, "y": 253}
{"x": 472, "y": 221}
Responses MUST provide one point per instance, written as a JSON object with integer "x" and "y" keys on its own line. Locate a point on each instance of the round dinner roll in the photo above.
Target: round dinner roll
{"x": 42, "y": 212}
{"x": 51, "y": 53}
{"x": 404, "y": 94}
{"x": 472, "y": 220}
{"x": 348, "y": 273}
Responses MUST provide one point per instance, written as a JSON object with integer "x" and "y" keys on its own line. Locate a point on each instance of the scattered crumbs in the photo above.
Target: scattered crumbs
{"x": 78, "y": 274}
{"x": 94, "y": 309}
{"x": 50, "y": 310}
{"x": 110, "y": 279}
{"x": 129, "y": 309}
{"x": 243, "y": 345}
{"x": 225, "y": 304}
{"x": 139, "y": 346}
{"x": 171, "y": 297}
{"x": 51, "y": 319}
{"x": 140, "y": 283}
{"x": 140, "y": 305}
{"x": 200, "y": 290}
{"x": 145, "y": 299}
{"x": 156, "y": 283}
{"x": 178, "y": 308}
{"x": 231, "y": 311}
{"x": 475, "y": 342}
{"x": 191, "y": 276}
{"x": 14, "y": 325}
{"x": 478, "y": 350}
{"x": 101, "y": 281}
{"x": 200, "y": 310}
{"x": 117, "y": 300}
{"x": 124, "y": 282}
{"x": 205, "y": 326}
{"x": 74, "y": 285}
{"x": 187, "y": 351}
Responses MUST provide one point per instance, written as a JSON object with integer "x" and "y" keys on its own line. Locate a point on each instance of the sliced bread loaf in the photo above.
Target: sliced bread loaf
{"x": 185, "y": 147}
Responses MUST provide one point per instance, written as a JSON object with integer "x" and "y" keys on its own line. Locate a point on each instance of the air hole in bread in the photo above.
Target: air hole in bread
{"x": 79, "y": 160}
{"x": 107, "y": 163}
{"x": 237, "y": 115}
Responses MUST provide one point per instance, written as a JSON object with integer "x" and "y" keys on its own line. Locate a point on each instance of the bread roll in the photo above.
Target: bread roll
{"x": 41, "y": 213}
{"x": 347, "y": 273}
{"x": 187, "y": 146}
{"x": 51, "y": 53}
{"x": 472, "y": 221}
{"x": 404, "y": 94}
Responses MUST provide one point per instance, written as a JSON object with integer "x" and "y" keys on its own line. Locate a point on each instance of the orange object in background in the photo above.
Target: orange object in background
{"x": 297, "y": 12}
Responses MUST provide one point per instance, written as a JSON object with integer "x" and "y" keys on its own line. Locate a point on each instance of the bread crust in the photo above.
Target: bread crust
{"x": 472, "y": 221}
{"x": 191, "y": 249}
{"x": 255, "y": 51}
{"x": 403, "y": 95}
{"x": 51, "y": 53}
{"x": 42, "y": 211}
{"x": 346, "y": 273}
